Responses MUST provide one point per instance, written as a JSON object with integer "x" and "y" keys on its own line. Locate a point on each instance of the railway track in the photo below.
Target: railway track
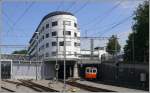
{"x": 45, "y": 89}
{"x": 87, "y": 87}
{"x": 9, "y": 90}
{"x": 32, "y": 85}
{"x": 18, "y": 84}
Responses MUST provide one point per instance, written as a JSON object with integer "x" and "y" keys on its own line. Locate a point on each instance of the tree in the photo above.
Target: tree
{"x": 137, "y": 45}
{"x": 20, "y": 52}
{"x": 113, "y": 46}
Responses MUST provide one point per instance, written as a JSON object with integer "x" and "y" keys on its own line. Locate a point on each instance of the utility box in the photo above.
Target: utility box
{"x": 143, "y": 77}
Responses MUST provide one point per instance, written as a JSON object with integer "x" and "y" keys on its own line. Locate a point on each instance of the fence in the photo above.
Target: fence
{"x": 125, "y": 74}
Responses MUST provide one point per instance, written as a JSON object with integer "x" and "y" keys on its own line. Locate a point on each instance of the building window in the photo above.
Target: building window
{"x": 69, "y": 52}
{"x": 75, "y": 24}
{"x": 54, "y": 43}
{"x": 43, "y": 28}
{"x": 42, "y": 47}
{"x": 75, "y": 34}
{"x": 61, "y": 43}
{"x": 40, "y": 31}
{"x": 53, "y": 53}
{"x": 54, "y": 23}
{"x": 43, "y": 37}
{"x": 67, "y": 23}
{"x": 76, "y": 44}
{"x": 68, "y": 43}
{"x": 54, "y": 33}
{"x": 75, "y": 53}
{"x": 47, "y": 54}
{"x": 67, "y": 32}
{"x": 40, "y": 39}
{"x": 47, "y": 45}
{"x": 47, "y": 35}
{"x": 47, "y": 25}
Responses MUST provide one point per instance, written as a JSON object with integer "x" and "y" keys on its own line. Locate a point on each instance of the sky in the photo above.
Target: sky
{"x": 95, "y": 18}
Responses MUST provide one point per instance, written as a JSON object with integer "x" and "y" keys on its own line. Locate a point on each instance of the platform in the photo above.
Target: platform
{"x": 110, "y": 87}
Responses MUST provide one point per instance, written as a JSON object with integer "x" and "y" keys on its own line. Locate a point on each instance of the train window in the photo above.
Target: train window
{"x": 91, "y": 70}
{"x": 87, "y": 70}
{"x": 94, "y": 71}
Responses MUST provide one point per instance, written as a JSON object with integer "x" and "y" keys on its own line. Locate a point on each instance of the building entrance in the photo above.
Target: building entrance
{"x": 69, "y": 71}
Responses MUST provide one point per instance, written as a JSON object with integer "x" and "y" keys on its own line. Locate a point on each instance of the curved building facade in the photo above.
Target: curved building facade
{"x": 47, "y": 44}
{"x": 48, "y": 39}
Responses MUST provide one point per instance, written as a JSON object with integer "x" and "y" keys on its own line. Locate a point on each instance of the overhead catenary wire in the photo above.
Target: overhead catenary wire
{"x": 60, "y": 5}
{"x": 11, "y": 23}
{"x": 23, "y": 14}
{"x": 9, "y": 30}
{"x": 98, "y": 20}
{"x": 83, "y": 6}
{"x": 114, "y": 26}
{"x": 9, "y": 19}
{"x": 72, "y": 4}
{"x": 14, "y": 46}
{"x": 104, "y": 27}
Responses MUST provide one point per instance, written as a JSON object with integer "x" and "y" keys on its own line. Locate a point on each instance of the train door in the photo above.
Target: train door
{"x": 5, "y": 69}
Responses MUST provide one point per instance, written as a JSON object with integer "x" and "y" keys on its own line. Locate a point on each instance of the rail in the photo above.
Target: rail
{"x": 18, "y": 83}
{"x": 87, "y": 87}
{"x": 7, "y": 89}
{"x": 45, "y": 89}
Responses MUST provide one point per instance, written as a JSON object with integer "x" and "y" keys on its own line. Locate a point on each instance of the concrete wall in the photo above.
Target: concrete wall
{"x": 28, "y": 70}
{"x": 25, "y": 71}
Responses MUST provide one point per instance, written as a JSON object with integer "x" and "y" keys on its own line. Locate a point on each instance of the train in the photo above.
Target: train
{"x": 90, "y": 72}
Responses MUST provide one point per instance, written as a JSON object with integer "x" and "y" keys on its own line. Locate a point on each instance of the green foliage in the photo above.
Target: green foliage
{"x": 20, "y": 52}
{"x": 113, "y": 45}
{"x": 138, "y": 41}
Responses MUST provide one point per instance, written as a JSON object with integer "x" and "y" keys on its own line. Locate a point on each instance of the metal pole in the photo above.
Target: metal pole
{"x": 37, "y": 33}
{"x": 92, "y": 48}
{"x": 57, "y": 60}
{"x": 133, "y": 47}
{"x": 116, "y": 49}
{"x": 0, "y": 39}
{"x": 116, "y": 56}
{"x": 36, "y": 70}
{"x": 64, "y": 55}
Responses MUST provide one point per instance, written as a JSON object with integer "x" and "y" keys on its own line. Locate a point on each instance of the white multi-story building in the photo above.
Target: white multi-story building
{"x": 47, "y": 43}
{"x": 49, "y": 37}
